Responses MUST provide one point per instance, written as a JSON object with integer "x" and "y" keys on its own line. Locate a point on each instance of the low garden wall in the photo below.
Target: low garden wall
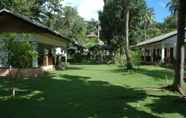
{"x": 26, "y": 72}
{"x": 30, "y": 72}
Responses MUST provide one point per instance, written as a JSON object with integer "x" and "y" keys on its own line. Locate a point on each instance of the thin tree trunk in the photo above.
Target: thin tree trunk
{"x": 129, "y": 64}
{"x": 180, "y": 49}
{"x": 121, "y": 54}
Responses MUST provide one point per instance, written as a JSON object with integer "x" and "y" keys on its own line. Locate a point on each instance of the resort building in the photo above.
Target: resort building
{"x": 45, "y": 41}
{"x": 161, "y": 49}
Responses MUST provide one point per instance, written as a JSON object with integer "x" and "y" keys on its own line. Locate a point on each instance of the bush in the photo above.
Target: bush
{"x": 119, "y": 58}
{"x": 135, "y": 57}
{"x": 20, "y": 53}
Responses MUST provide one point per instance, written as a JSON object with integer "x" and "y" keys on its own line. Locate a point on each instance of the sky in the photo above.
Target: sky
{"x": 88, "y": 9}
{"x": 160, "y": 9}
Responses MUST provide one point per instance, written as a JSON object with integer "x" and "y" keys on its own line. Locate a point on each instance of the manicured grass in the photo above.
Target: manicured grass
{"x": 94, "y": 91}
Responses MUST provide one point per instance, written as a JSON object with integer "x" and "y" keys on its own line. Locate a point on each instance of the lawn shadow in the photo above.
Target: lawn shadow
{"x": 74, "y": 77}
{"x": 122, "y": 70}
{"x": 168, "y": 104}
{"x": 153, "y": 72}
{"x": 71, "y": 96}
{"x": 73, "y": 68}
{"x": 157, "y": 73}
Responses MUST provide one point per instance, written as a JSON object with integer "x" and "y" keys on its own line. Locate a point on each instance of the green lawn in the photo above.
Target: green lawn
{"x": 94, "y": 91}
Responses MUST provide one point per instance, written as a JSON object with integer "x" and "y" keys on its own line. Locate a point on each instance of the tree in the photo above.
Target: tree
{"x": 47, "y": 12}
{"x": 173, "y": 6}
{"x": 125, "y": 36}
{"x": 177, "y": 6}
{"x": 180, "y": 48}
{"x": 32, "y": 8}
{"x": 53, "y": 12}
{"x": 170, "y": 23}
{"x": 73, "y": 26}
{"x": 92, "y": 26}
{"x": 6, "y": 3}
{"x": 148, "y": 20}
{"x": 116, "y": 20}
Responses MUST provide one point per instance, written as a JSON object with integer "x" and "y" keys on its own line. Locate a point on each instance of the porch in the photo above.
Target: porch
{"x": 159, "y": 50}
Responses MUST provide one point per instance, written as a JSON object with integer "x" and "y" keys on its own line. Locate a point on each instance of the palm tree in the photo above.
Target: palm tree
{"x": 180, "y": 48}
{"x": 127, "y": 7}
{"x": 148, "y": 20}
{"x": 126, "y": 14}
{"x": 173, "y": 6}
{"x": 179, "y": 7}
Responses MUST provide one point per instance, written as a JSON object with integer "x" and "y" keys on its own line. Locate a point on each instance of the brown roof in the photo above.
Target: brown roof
{"x": 13, "y": 22}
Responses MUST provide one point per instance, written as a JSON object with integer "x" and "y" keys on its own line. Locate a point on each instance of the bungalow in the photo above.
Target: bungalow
{"x": 44, "y": 40}
{"x": 161, "y": 49}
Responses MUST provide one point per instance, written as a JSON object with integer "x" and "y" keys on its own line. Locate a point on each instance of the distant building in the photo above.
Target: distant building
{"x": 161, "y": 49}
{"x": 92, "y": 35}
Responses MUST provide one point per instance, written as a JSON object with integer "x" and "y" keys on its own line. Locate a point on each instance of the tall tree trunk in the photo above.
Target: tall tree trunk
{"x": 180, "y": 49}
{"x": 126, "y": 36}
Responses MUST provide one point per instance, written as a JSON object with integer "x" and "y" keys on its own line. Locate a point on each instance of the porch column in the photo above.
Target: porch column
{"x": 143, "y": 50}
{"x": 151, "y": 54}
{"x": 66, "y": 56}
{"x": 174, "y": 52}
{"x": 168, "y": 55}
{"x": 35, "y": 59}
{"x": 155, "y": 55}
{"x": 45, "y": 60}
{"x": 163, "y": 55}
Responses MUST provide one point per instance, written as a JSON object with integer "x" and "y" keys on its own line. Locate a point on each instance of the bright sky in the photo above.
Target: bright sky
{"x": 160, "y": 8}
{"x": 88, "y": 9}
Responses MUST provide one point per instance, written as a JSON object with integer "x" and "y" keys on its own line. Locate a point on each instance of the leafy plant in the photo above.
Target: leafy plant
{"x": 20, "y": 53}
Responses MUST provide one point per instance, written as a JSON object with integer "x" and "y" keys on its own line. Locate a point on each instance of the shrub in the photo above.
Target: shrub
{"x": 135, "y": 57}
{"x": 20, "y": 53}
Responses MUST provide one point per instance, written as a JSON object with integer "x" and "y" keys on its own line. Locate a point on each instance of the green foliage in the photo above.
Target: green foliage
{"x": 6, "y": 3}
{"x": 168, "y": 25}
{"x": 170, "y": 22}
{"x": 173, "y": 6}
{"x": 52, "y": 12}
{"x": 20, "y": 53}
{"x": 141, "y": 18}
{"x": 113, "y": 22}
{"x": 92, "y": 26}
{"x": 90, "y": 42}
{"x": 29, "y": 8}
{"x": 134, "y": 54}
{"x": 48, "y": 12}
{"x": 119, "y": 58}
{"x": 136, "y": 57}
{"x": 142, "y": 25}
{"x": 73, "y": 26}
